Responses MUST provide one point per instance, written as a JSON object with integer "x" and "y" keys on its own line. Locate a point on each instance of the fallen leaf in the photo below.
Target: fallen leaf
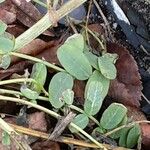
{"x": 45, "y": 145}
{"x": 15, "y": 30}
{"x": 37, "y": 121}
{"x": 78, "y": 88}
{"x": 7, "y": 12}
{"x": 7, "y": 17}
{"x": 33, "y": 48}
{"x": 127, "y": 87}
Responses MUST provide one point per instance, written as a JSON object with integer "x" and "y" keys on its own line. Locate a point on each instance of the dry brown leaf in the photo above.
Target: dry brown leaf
{"x": 37, "y": 121}
{"x": 7, "y": 12}
{"x": 33, "y": 48}
{"x": 78, "y": 88}
{"x": 127, "y": 87}
{"x": 45, "y": 145}
{"x": 15, "y": 30}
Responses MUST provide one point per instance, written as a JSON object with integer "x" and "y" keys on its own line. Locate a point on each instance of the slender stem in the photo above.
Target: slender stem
{"x": 45, "y": 23}
{"x": 52, "y": 113}
{"x": 98, "y": 40}
{"x": 126, "y": 125}
{"x": 17, "y": 81}
{"x": 37, "y": 60}
{"x": 83, "y": 112}
{"x": 4, "y": 91}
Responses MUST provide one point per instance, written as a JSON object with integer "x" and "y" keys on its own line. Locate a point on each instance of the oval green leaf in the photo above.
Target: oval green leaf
{"x": 111, "y": 57}
{"x": 123, "y": 136}
{"x": 73, "y": 60}
{"x": 97, "y": 76}
{"x": 76, "y": 41}
{"x": 93, "y": 59}
{"x": 107, "y": 68}
{"x": 3, "y": 27}
{"x": 133, "y": 136}
{"x": 6, "y": 140}
{"x": 5, "y": 61}
{"x": 113, "y": 116}
{"x": 59, "y": 83}
{"x": 39, "y": 73}
{"x": 117, "y": 134}
{"x": 68, "y": 96}
{"x": 93, "y": 99}
{"x": 6, "y": 45}
{"x": 81, "y": 121}
{"x": 28, "y": 93}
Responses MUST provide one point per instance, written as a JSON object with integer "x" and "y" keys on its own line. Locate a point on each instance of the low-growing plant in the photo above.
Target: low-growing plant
{"x": 78, "y": 63}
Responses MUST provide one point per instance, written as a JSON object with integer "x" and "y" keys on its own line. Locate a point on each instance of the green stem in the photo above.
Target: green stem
{"x": 83, "y": 112}
{"x": 4, "y": 91}
{"x": 52, "y": 113}
{"x": 37, "y": 60}
{"x": 98, "y": 40}
{"x": 17, "y": 81}
{"x": 45, "y": 23}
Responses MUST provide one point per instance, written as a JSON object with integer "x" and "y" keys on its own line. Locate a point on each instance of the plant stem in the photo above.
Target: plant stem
{"x": 45, "y": 23}
{"x": 126, "y": 125}
{"x": 17, "y": 81}
{"x": 4, "y": 91}
{"x": 37, "y": 60}
{"x": 83, "y": 112}
{"x": 52, "y": 113}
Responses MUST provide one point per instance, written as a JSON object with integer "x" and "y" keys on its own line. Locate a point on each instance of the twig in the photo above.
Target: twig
{"x": 61, "y": 139}
{"x": 104, "y": 19}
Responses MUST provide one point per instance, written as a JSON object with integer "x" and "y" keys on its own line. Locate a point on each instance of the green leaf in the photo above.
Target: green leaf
{"x": 59, "y": 83}
{"x": 73, "y": 59}
{"x": 133, "y": 136}
{"x": 117, "y": 134}
{"x": 5, "y": 61}
{"x": 123, "y": 136}
{"x": 28, "y": 93}
{"x": 2, "y": 1}
{"x": 76, "y": 41}
{"x": 93, "y": 99}
{"x": 6, "y": 45}
{"x": 39, "y": 73}
{"x": 3, "y": 27}
{"x": 111, "y": 57}
{"x": 113, "y": 116}
{"x": 68, "y": 96}
{"x": 97, "y": 76}
{"x": 6, "y": 138}
{"x": 93, "y": 59}
{"x": 81, "y": 121}
{"x": 107, "y": 68}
